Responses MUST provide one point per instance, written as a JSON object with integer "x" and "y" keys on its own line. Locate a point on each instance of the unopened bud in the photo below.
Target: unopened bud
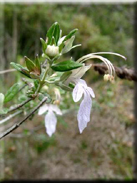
{"x": 52, "y": 50}
{"x": 57, "y": 94}
{"x": 45, "y": 88}
{"x": 56, "y": 102}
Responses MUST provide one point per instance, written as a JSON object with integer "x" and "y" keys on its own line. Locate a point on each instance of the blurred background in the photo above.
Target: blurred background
{"x": 104, "y": 149}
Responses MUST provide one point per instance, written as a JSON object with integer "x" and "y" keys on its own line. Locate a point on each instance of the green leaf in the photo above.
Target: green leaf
{"x": 4, "y": 111}
{"x": 11, "y": 93}
{"x": 44, "y": 45}
{"x": 37, "y": 62}
{"x": 30, "y": 64}
{"x": 66, "y": 66}
{"x": 54, "y": 31}
{"x": 21, "y": 69}
{"x": 70, "y": 34}
{"x": 50, "y": 33}
{"x": 57, "y": 32}
{"x": 68, "y": 45}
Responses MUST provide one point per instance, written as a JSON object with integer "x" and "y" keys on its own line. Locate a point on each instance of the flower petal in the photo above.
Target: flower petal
{"x": 77, "y": 92}
{"x": 43, "y": 109}
{"x": 56, "y": 109}
{"x": 83, "y": 116}
{"x": 50, "y": 123}
{"x": 82, "y": 82}
{"x": 91, "y": 92}
{"x": 78, "y": 73}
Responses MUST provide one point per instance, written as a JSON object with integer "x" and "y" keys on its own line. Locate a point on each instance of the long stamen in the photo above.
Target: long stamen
{"x": 106, "y": 61}
{"x": 110, "y": 53}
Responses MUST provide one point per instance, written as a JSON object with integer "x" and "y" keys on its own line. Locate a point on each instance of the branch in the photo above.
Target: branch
{"x": 121, "y": 72}
{"x": 10, "y": 117}
{"x": 20, "y": 105}
{"x": 19, "y": 123}
{"x": 6, "y": 71}
{"x": 21, "y": 135}
{"x": 22, "y": 88}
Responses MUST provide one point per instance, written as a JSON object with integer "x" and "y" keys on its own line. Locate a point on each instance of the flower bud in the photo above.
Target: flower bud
{"x": 52, "y": 50}
{"x": 108, "y": 77}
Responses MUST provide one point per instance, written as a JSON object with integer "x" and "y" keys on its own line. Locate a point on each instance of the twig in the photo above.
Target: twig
{"x": 20, "y": 105}
{"x": 22, "y": 87}
{"x": 10, "y": 116}
{"x": 6, "y": 71}
{"x": 21, "y": 135}
{"x": 121, "y": 72}
{"x": 19, "y": 123}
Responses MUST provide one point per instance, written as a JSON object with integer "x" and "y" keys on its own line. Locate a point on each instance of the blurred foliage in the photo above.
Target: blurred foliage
{"x": 101, "y": 27}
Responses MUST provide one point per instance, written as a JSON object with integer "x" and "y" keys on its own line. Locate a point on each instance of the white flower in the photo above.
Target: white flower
{"x": 52, "y": 50}
{"x": 83, "y": 115}
{"x": 77, "y": 74}
{"x": 50, "y": 117}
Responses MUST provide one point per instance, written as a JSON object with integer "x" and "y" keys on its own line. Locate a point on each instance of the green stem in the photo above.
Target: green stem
{"x": 42, "y": 81}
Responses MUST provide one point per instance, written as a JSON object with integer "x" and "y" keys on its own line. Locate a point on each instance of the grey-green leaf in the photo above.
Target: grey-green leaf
{"x": 44, "y": 45}
{"x": 70, "y": 34}
{"x": 68, "y": 45}
{"x": 21, "y": 69}
{"x": 11, "y": 93}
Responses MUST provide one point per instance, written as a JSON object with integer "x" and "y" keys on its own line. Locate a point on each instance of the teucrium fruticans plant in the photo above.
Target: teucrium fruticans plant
{"x": 49, "y": 77}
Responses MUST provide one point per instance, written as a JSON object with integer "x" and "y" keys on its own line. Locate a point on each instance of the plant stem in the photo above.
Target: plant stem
{"x": 20, "y": 105}
{"x": 6, "y": 71}
{"x": 42, "y": 81}
{"x": 10, "y": 117}
{"x": 19, "y": 123}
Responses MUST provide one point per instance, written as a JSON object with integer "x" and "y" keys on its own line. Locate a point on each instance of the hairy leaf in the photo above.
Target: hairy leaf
{"x": 11, "y": 93}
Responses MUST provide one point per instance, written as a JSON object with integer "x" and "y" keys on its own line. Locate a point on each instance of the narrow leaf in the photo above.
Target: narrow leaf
{"x": 21, "y": 69}
{"x": 66, "y": 66}
{"x": 50, "y": 33}
{"x": 70, "y": 34}
{"x": 44, "y": 45}
{"x": 37, "y": 62}
{"x": 11, "y": 93}
{"x": 29, "y": 63}
{"x": 68, "y": 45}
{"x": 57, "y": 32}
